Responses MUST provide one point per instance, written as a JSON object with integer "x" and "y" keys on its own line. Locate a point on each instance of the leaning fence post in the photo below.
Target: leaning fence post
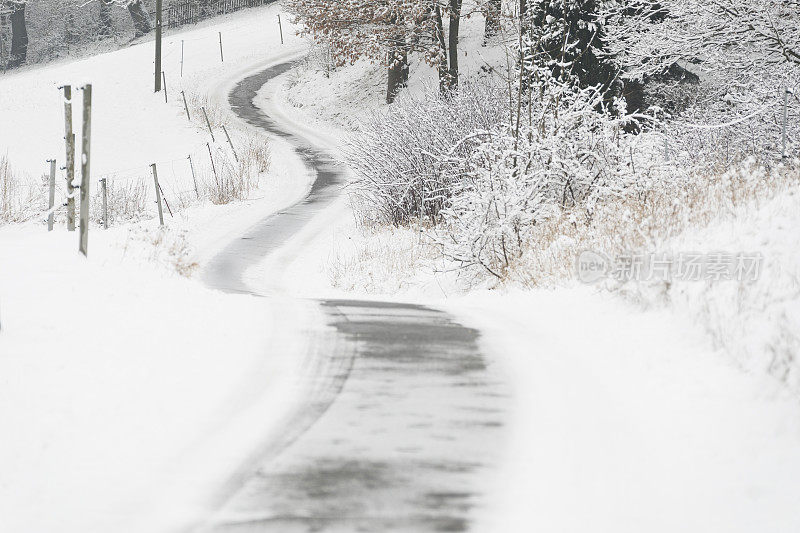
{"x": 164, "y": 197}
{"x": 85, "y": 168}
{"x": 185, "y": 105}
{"x": 194, "y": 178}
{"x": 158, "y": 194}
{"x": 213, "y": 168}
{"x": 280, "y": 27}
{"x": 52, "y": 197}
{"x": 208, "y": 124}
{"x": 104, "y": 187}
{"x": 221, "y": 57}
{"x": 230, "y": 142}
{"x": 164, "y": 78}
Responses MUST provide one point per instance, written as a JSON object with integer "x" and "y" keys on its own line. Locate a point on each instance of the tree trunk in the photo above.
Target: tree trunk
{"x": 444, "y": 71}
{"x": 398, "y": 73}
{"x": 455, "y": 25}
{"x": 19, "y": 37}
{"x": 492, "y": 27}
{"x": 141, "y": 22}
{"x": 106, "y": 25}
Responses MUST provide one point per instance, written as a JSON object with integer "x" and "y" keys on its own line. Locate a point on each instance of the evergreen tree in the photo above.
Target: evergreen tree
{"x": 569, "y": 38}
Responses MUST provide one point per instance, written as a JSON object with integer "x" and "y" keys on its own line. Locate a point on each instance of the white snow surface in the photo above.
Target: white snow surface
{"x": 129, "y": 396}
{"x": 625, "y": 421}
{"x": 123, "y": 388}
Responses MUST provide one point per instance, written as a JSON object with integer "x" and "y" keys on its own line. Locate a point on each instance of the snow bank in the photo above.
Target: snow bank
{"x": 756, "y": 322}
{"x": 128, "y": 394}
{"x": 109, "y": 374}
{"x": 626, "y": 421}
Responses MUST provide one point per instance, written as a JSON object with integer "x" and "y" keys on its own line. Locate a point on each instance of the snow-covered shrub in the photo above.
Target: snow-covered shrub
{"x": 198, "y": 103}
{"x": 397, "y": 156}
{"x": 647, "y": 218}
{"x": 320, "y": 57}
{"x": 566, "y": 155}
{"x": 127, "y": 200}
{"x": 18, "y": 198}
{"x": 162, "y": 245}
{"x": 230, "y": 179}
{"x": 745, "y": 54}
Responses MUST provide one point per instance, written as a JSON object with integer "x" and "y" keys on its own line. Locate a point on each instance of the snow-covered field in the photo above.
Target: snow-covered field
{"x": 123, "y": 386}
{"x": 128, "y": 393}
{"x": 133, "y": 127}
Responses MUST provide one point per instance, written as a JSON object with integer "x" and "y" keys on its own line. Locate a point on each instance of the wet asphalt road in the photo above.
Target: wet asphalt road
{"x": 408, "y": 421}
{"x": 225, "y": 271}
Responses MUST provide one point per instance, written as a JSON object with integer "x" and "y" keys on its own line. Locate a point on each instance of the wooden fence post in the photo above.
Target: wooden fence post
{"x": 194, "y": 178}
{"x": 185, "y": 105}
{"x": 164, "y": 78}
{"x": 213, "y": 168}
{"x": 230, "y": 142}
{"x": 280, "y": 27}
{"x": 85, "y": 168}
{"x": 69, "y": 138}
{"x": 164, "y": 198}
{"x": 52, "y": 196}
{"x": 208, "y": 124}
{"x": 158, "y": 43}
{"x": 158, "y": 194}
{"x": 104, "y": 186}
{"x": 221, "y": 57}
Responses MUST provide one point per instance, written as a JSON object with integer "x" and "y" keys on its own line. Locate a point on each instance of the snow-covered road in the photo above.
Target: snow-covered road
{"x": 404, "y": 418}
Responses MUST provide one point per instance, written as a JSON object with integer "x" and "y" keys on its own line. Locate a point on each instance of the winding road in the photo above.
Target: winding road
{"x": 405, "y": 419}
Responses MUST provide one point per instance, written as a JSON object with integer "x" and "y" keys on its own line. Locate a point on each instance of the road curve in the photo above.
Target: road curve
{"x": 409, "y": 419}
{"x": 224, "y": 271}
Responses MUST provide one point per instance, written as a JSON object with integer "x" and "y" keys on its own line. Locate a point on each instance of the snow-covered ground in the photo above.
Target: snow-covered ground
{"x": 123, "y": 387}
{"x": 133, "y": 127}
{"x": 627, "y": 421}
{"x": 129, "y": 393}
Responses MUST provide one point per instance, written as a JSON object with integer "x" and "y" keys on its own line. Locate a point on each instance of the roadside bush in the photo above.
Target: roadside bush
{"x": 397, "y": 156}
{"x": 484, "y": 170}
{"x": 566, "y": 156}
{"x": 127, "y": 200}
{"x": 234, "y": 179}
{"x": 17, "y": 197}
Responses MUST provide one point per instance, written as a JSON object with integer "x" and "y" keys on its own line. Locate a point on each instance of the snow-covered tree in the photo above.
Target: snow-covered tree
{"x": 387, "y": 31}
{"x": 747, "y": 52}
{"x": 569, "y": 36}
